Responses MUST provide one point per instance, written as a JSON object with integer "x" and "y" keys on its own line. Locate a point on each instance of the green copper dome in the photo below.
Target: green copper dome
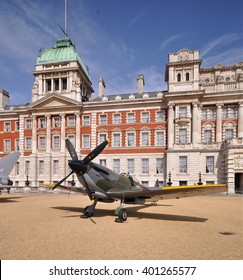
{"x": 63, "y": 50}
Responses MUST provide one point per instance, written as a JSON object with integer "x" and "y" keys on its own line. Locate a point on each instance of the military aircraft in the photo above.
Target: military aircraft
{"x": 6, "y": 165}
{"x": 104, "y": 185}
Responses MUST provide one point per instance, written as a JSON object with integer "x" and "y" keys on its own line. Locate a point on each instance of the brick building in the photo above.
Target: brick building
{"x": 195, "y": 127}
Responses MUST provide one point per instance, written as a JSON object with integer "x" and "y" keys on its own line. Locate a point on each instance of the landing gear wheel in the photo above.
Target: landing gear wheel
{"x": 122, "y": 216}
{"x": 87, "y": 214}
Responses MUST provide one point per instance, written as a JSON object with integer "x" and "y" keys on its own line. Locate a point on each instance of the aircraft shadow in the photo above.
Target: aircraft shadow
{"x": 133, "y": 212}
{"x": 8, "y": 199}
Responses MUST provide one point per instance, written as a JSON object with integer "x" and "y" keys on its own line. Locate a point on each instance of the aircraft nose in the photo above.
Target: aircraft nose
{"x": 77, "y": 166}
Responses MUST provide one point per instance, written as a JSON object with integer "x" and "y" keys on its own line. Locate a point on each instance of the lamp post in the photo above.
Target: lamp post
{"x": 169, "y": 183}
{"x": 200, "y": 178}
{"x": 27, "y": 182}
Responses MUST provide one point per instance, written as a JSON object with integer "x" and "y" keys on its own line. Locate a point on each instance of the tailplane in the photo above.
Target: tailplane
{"x": 7, "y": 163}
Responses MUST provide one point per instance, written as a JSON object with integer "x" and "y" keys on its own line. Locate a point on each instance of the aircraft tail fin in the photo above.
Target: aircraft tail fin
{"x": 7, "y": 163}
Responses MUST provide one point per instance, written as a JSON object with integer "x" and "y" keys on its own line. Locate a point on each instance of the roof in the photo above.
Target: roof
{"x": 127, "y": 96}
{"x": 63, "y": 50}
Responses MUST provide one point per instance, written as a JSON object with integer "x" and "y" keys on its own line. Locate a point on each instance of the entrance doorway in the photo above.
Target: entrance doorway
{"x": 239, "y": 182}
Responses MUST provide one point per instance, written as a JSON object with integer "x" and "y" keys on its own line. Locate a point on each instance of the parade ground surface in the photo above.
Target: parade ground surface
{"x": 38, "y": 226}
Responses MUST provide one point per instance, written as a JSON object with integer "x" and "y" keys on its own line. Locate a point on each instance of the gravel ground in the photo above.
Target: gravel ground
{"x": 48, "y": 226}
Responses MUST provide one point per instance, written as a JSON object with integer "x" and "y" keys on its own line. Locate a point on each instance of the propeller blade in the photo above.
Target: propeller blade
{"x": 93, "y": 154}
{"x": 60, "y": 182}
{"x": 82, "y": 179}
{"x": 71, "y": 150}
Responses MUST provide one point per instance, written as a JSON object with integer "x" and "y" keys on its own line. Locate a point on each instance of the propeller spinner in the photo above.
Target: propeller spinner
{"x": 79, "y": 167}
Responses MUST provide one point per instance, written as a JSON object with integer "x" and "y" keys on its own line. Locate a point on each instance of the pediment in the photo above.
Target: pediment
{"x": 54, "y": 102}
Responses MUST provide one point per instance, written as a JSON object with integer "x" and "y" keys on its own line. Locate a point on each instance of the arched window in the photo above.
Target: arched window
{"x": 187, "y": 76}
{"x": 178, "y": 77}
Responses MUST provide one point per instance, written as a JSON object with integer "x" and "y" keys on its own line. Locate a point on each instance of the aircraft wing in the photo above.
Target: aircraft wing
{"x": 168, "y": 192}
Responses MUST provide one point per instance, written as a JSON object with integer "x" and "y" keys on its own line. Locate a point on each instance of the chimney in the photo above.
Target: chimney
{"x": 101, "y": 87}
{"x": 140, "y": 83}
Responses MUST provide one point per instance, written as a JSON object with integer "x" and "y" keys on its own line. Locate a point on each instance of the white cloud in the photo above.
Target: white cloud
{"x": 168, "y": 41}
{"x": 219, "y": 42}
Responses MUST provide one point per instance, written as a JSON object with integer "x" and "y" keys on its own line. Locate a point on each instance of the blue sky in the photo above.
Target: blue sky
{"x": 117, "y": 39}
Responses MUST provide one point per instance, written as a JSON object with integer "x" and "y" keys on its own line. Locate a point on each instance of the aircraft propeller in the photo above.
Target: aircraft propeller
{"x": 79, "y": 167}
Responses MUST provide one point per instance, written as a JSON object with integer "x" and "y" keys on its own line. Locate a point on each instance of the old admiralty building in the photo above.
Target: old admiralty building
{"x": 192, "y": 131}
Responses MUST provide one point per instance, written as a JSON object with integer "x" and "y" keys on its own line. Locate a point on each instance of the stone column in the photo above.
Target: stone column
{"x": 63, "y": 136}
{"x": 171, "y": 128}
{"x": 77, "y": 132}
{"x": 219, "y": 123}
{"x": 195, "y": 124}
{"x": 34, "y": 135}
{"x": 240, "y": 119}
{"x": 48, "y": 133}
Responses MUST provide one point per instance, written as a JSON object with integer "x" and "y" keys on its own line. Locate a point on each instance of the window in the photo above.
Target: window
{"x": 145, "y": 166}
{"x": 182, "y": 112}
{"x": 159, "y": 165}
{"x": 145, "y": 117}
{"x": 187, "y": 76}
{"x": 116, "y": 118}
{"x": 182, "y": 183}
{"x": 56, "y": 142}
{"x": 210, "y": 114}
{"x": 116, "y": 165}
{"x": 86, "y": 141}
{"x": 41, "y": 167}
{"x": 28, "y": 143}
{"x": 17, "y": 168}
{"x": 116, "y": 139}
{"x": 204, "y": 114}
{"x": 16, "y": 126}
{"x": 86, "y": 121}
{"x": 130, "y": 139}
{"x": 48, "y": 85}
{"x": 56, "y": 122}
{"x": 64, "y": 83}
{"x": 7, "y": 126}
{"x": 160, "y": 138}
{"x": 71, "y": 121}
{"x": 208, "y": 137}
{"x": 130, "y": 166}
{"x": 27, "y": 167}
{"x": 229, "y": 133}
{"x": 42, "y": 142}
{"x": 103, "y": 119}
{"x": 55, "y": 166}
{"x": 17, "y": 144}
{"x": 42, "y": 123}
{"x": 71, "y": 139}
{"x": 102, "y": 138}
{"x": 7, "y": 145}
{"x": 183, "y": 164}
{"x": 210, "y": 164}
{"x": 28, "y": 124}
{"x": 178, "y": 77}
{"x": 210, "y": 182}
{"x": 130, "y": 118}
{"x": 145, "y": 139}
{"x": 103, "y": 162}
{"x": 160, "y": 116}
{"x": 182, "y": 135}
{"x": 56, "y": 84}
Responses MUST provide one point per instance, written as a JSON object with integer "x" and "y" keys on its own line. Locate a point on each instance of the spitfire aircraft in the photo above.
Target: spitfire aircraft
{"x": 103, "y": 185}
{"x": 6, "y": 165}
